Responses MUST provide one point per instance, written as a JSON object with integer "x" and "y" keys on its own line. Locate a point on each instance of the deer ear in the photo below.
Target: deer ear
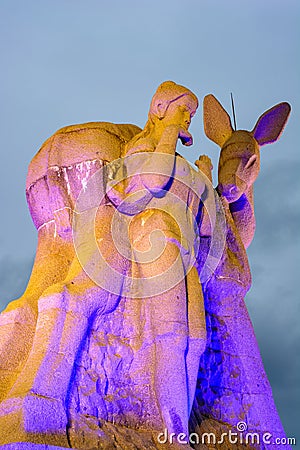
{"x": 217, "y": 124}
{"x": 270, "y": 125}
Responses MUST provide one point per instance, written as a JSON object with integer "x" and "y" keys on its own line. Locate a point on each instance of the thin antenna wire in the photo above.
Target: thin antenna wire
{"x": 233, "y": 110}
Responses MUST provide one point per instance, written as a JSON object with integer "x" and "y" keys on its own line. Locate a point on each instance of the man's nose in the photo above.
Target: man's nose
{"x": 187, "y": 119}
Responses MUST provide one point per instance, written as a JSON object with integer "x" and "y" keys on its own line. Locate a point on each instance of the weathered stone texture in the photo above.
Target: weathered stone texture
{"x": 112, "y": 366}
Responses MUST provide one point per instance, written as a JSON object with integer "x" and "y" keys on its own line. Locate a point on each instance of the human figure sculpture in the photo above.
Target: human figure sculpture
{"x": 171, "y": 110}
{"x": 237, "y": 388}
{"x": 177, "y": 340}
{"x": 64, "y": 311}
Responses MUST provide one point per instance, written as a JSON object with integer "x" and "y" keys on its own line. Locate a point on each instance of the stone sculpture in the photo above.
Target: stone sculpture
{"x": 99, "y": 346}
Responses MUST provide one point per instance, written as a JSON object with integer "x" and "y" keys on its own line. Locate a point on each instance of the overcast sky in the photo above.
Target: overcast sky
{"x": 66, "y": 62}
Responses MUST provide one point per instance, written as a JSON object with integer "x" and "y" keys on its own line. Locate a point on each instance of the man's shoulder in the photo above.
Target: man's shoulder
{"x": 124, "y": 131}
{"x": 74, "y": 144}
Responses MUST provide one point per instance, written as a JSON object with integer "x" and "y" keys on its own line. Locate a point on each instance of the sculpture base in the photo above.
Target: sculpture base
{"x": 107, "y": 436}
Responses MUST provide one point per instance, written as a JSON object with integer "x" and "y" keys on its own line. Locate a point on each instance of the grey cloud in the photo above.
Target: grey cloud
{"x": 277, "y": 199}
{"x": 274, "y": 309}
{"x": 289, "y": 400}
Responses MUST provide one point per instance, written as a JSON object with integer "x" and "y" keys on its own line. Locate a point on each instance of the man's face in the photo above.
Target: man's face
{"x": 180, "y": 112}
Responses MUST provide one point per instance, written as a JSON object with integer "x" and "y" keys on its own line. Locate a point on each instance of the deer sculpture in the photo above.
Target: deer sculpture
{"x": 232, "y": 384}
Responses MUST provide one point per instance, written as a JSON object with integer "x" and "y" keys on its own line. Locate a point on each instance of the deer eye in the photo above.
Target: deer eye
{"x": 251, "y": 161}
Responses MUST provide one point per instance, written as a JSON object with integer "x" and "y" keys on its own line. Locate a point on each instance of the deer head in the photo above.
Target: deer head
{"x": 239, "y": 159}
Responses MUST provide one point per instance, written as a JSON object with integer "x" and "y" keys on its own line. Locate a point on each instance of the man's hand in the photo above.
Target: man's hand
{"x": 185, "y": 137}
{"x": 204, "y": 164}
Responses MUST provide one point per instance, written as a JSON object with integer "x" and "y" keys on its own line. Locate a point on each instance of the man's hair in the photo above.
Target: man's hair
{"x": 166, "y": 93}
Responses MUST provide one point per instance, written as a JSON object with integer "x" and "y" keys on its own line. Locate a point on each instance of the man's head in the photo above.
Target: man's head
{"x": 173, "y": 104}
{"x": 167, "y": 93}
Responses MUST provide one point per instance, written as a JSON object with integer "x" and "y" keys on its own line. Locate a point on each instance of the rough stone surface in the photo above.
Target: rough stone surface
{"x": 114, "y": 362}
